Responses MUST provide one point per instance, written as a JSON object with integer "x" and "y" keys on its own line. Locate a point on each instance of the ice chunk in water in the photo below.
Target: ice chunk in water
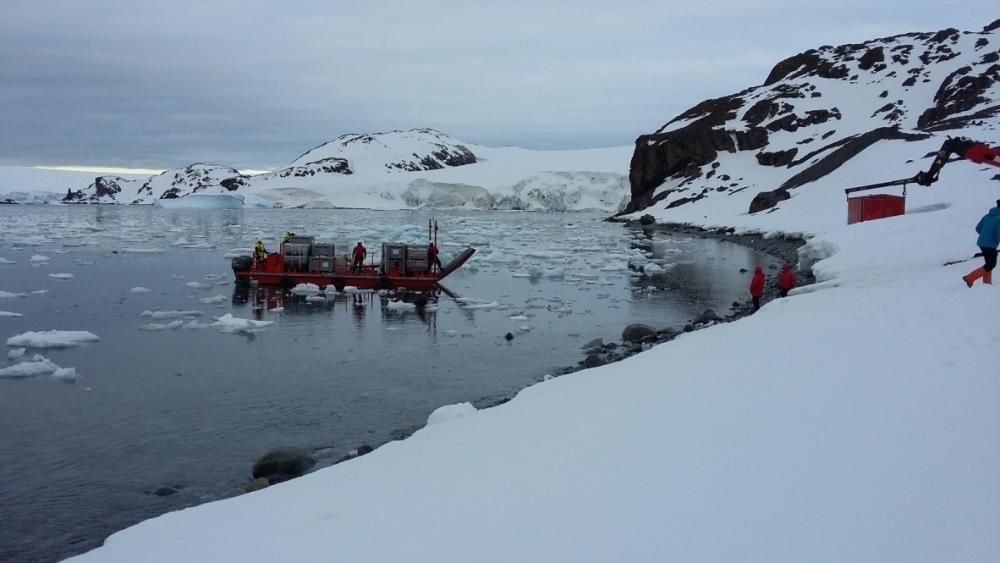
{"x": 10, "y": 314}
{"x": 169, "y": 314}
{"x": 6, "y": 261}
{"x": 154, "y": 327}
{"x": 66, "y": 375}
{"x": 140, "y": 289}
{"x": 198, "y": 285}
{"x": 15, "y": 353}
{"x": 215, "y": 299}
{"x": 229, "y": 323}
{"x": 35, "y": 367}
{"x": 38, "y": 258}
{"x": 306, "y": 289}
{"x": 61, "y": 276}
{"x": 52, "y": 339}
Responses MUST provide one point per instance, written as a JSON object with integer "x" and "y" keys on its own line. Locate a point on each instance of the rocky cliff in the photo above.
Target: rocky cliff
{"x": 814, "y": 112}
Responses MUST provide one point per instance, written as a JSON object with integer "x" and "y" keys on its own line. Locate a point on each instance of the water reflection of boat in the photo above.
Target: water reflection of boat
{"x": 303, "y": 260}
{"x": 394, "y": 304}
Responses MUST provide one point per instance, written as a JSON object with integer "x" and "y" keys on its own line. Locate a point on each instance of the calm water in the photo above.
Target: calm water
{"x": 194, "y": 407}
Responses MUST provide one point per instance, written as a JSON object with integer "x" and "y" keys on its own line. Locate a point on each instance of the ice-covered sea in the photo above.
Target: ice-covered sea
{"x": 176, "y": 396}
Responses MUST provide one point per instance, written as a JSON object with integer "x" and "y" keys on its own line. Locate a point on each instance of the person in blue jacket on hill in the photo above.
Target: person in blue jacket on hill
{"x": 989, "y": 238}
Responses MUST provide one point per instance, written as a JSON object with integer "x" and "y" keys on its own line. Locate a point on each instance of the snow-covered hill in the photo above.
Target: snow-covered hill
{"x": 394, "y": 170}
{"x": 815, "y": 112}
{"x": 408, "y": 151}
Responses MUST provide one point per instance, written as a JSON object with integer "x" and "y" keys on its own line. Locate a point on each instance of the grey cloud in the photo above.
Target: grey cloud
{"x": 254, "y": 84}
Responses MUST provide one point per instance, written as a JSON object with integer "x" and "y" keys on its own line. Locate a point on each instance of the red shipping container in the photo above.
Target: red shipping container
{"x": 871, "y": 207}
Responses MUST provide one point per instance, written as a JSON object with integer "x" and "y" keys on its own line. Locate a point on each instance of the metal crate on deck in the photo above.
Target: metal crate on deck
{"x": 416, "y": 259}
{"x": 324, "y": 249}
{"x": 321, "y": 264}
{"x": 297, "y": 239}
{"x": 296, "y": 255}
{"x": 393, "y": 257}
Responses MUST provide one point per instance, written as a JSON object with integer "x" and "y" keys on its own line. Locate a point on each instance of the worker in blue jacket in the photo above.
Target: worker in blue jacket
{"x": 989, "y": 238}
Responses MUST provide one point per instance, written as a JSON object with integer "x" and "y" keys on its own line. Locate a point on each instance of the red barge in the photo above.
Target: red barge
{"x": 303, "y": 260}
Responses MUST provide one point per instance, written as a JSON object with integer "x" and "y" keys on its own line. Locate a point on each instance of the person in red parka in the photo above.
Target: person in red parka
{"x": 432, "y": 258}
{"x": 786, "y": 280}
{"x": 757, "y": 287}
{"x": 359, "y": 253}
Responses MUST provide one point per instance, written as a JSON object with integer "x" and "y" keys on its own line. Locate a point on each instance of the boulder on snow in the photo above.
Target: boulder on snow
{"x": 709, "y": 316}
{"x": 637, "y": 332}
{"x": 767, "y": 200}
{"x": 647, "y": 219}
{"x": 282, "y": 464}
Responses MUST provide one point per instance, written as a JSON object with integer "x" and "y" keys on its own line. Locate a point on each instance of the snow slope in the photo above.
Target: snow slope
{"x": 856, "y": 420}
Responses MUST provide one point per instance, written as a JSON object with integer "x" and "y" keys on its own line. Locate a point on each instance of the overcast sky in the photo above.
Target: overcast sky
{"x": 250, "y": 84}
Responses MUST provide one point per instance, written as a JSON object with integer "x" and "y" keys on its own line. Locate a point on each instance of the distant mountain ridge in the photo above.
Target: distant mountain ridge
{"x": 817, "y": 110}
{"x": 393, "y": 151}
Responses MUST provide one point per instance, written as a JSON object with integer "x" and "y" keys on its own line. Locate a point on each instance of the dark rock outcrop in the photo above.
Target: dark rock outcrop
{"x": 638, "y": 333}
{"x": 282, "y": 464}
{"x": 778, "y": 158}
{"x": 767, "y": 200}
{"x": 960, "y": 92}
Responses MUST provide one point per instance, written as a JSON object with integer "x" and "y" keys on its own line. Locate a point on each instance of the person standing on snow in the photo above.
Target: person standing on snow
{"x": 359, "y": 254}
{"x": 757, "y": 287}
{"x": 989, "y": 238}
{"x": 786, "y": 280}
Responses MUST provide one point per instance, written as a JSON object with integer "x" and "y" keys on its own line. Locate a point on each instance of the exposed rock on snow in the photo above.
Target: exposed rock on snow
{"x": 282, "y": 464}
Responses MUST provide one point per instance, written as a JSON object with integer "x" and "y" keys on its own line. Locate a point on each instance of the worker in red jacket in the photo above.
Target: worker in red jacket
{"x": 786, "y": 280}
{"x": 757, "y": 287}
{"x": 432, "y": 258}
{"x": 359, "y": 254}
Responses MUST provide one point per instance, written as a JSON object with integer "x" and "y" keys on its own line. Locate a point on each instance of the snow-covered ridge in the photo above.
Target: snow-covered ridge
{"x": 410, "y": 151}
{"x": 394, "y": 170}
{"x": 778, "y": 136}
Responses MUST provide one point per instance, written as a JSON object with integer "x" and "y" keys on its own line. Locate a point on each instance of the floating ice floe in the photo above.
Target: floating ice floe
{"x": 38, "y": 258}
{"x": 139, "y": 289}
{"x": 6, "y": 261}
{"x": 400, "y": 306}
{"x": 306, "y": 289}
{"x": 315, "y": 298}
{"x": 198, "y": 285}
{"x": 450, "y": 412}
{"x": 519, "y": 318}
{"x": 477, "y": 304}
{"x": 15, "y": 353}
{"x": 196, "y": 325}
{"x": 7, "y": 294}
{"x": 215, "y": 299}
{"x": 31, "y": 368}
{"x": 39, "y": 292}
{"x": 169, "y": 314}
{"x": 61, "y": 276}
{"x": 229, "y": 323}
{"x": 52, "y": 339}
{"x": 155, "y": 327}
{"x": 10, "y": 314}
{"x": 66, "y": 375}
